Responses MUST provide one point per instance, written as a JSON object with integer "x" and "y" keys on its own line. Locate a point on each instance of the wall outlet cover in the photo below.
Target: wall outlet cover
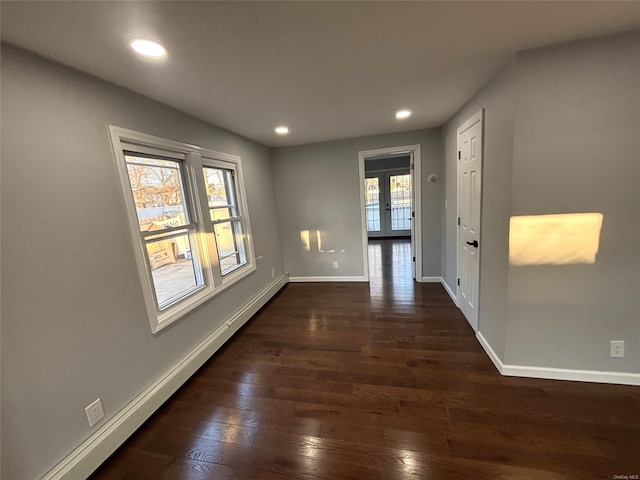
{"x": 95, "y": 412}
{"x": 617, "y": 348}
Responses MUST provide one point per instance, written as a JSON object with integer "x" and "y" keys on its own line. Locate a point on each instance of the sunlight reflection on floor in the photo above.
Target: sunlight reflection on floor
{"x": 390, "y": 274}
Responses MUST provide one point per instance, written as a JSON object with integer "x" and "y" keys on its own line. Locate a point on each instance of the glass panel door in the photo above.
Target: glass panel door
{"x": 388, "y": 203}
{"x": 400, "y": 202}
{"x": 372, "y": 205}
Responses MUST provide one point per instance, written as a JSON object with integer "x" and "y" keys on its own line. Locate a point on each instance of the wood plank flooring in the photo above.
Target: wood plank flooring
{"x": 377, "y": 381}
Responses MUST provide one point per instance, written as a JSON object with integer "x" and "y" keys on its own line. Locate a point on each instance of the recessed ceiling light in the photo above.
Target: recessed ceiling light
{"x": 401, "y": 114}
{"x": 148, "y": 48}
{"x": 282, "y": 130}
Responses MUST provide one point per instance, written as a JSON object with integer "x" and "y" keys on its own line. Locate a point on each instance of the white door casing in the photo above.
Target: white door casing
{"x": 470, "y": 137}
{"x": 416, "y": 272}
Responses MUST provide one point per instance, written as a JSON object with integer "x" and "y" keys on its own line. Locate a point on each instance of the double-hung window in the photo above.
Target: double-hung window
{"x": 188, "y": 221}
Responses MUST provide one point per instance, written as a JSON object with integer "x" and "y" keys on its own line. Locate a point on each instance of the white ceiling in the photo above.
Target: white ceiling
{"x": 329, "y": 70}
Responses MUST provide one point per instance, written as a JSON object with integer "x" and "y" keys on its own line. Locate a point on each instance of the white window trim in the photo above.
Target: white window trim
{"x": 194, "y": 158}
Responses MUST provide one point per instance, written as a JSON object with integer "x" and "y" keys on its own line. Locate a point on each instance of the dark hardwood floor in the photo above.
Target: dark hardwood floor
{"x": 377, "y": 381}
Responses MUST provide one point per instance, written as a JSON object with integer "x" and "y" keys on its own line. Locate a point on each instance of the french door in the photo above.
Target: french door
{"x": 388, "y": 203}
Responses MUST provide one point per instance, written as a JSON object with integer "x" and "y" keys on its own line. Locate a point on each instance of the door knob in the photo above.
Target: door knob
{"x": 473, "y": 244}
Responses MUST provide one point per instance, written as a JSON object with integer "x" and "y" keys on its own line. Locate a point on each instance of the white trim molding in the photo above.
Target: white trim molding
{"x": 450, "y": 292}
{"x": 596, "y": 376}
{"x": 80, "y": 463}
{"x": 431, "y": 280}
{"x": 491, "y": 352}
{"x": 328, "y": 279}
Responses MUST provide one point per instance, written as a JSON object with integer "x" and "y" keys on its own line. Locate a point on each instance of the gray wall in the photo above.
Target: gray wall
{"x": 577, "y": 149}
{"x": 317, "y": 188}
{"x": 74, "y": 325}
{"x": 562, "y": 130}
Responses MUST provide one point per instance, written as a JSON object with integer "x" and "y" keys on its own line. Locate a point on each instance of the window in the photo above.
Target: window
{"x": 188, "y": 221}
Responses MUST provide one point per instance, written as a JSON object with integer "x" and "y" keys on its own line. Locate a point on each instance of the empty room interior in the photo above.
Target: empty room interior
{"x": 366, "y": 240}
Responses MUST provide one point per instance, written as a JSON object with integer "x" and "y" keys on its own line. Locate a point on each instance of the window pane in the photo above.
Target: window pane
{"x": 220, "y": 188}
{"x": 372, "y": 204}
{"x": 173, "y": 269}
{"x": 227, "y": 264}
{"x": 400, "y": 189}
{"x": 227, "y": 243}
{"x": 225, "y": 239}
{"x": 156, "y": 185}
{"x": 220, "y": 213}
{"x": 152, "y": 162}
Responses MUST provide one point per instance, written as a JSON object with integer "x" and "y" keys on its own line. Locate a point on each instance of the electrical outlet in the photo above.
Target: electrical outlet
{"x": 95, "y": 412}
{"x": 335, "y": 265}
{"x": 617, "y": 348}
{"x": 273, "y": 273}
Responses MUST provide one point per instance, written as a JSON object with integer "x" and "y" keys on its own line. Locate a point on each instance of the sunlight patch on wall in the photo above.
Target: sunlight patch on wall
{"x": 558, "y": 239}
{"x": 312, "y": 241}
{"x": 304, "y": 236}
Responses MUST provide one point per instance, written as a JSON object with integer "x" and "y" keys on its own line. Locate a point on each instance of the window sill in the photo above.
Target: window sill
{"x": 160, "y": 320}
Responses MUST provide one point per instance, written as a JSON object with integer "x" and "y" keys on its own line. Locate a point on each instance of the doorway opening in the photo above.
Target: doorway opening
{"x": 390, "y": 210}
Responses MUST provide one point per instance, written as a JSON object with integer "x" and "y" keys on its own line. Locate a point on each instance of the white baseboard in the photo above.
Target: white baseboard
{"x": 328, "y": 279}
{"x": 595, "y": 376}
{"x": 80, "y": 463}
{"x": 490, "y": 352}
{"x": 431, "y": 280}
{"x": 450, "y": 292}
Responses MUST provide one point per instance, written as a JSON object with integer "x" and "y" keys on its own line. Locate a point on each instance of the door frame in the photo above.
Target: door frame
{"x": 475, "y": 118}
{"x": 415, "y": 161}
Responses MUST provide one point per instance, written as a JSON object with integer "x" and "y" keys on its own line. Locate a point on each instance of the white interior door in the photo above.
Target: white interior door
{"x": 388, "y": 203}
{"x": 469, "y": 198}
